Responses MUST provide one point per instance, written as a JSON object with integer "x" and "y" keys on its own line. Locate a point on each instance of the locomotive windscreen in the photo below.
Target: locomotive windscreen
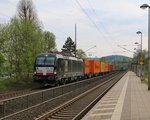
{"x": 45, "y": 60}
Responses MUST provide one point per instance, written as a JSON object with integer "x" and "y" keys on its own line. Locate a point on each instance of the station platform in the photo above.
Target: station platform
{"x": 129, "y": 99}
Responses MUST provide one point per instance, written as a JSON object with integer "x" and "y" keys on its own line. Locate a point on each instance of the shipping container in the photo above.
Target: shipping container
{"x": 113, "y": 67}
{"x": 86, "y": 69}
{"x": 106, "y": 67}
{"x": 102, "y": 67}
{"x": 94, "y": 66}
{"x": 110, "y": 68}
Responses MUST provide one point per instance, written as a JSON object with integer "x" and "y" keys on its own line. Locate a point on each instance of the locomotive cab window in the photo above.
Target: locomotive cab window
{"x": 45, "y": 60}
{"x": 39, "y": 61}
{"x": 66, "y": 65}
{"x": 70, "y": 65}
{"x": 49, "y": 61}
{"x": 60, "y": 65}
{"x": 80, "y": 66}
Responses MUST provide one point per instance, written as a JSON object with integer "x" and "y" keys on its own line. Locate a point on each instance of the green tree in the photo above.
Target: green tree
{"x": 26, "y": 11}
{"x": 2, "y": 61}
{"x": 22, "y": 39}
{"x": 81, "y": 54}
{"x": 3, "y": 35}
{"x": 103, "y": 59}
{"x": 69, "y": 46}
{"x": 49, "y": 41}
{"x": 18, "y": 49}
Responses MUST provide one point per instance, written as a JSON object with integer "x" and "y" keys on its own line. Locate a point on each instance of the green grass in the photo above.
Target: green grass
{"x": 146, "y": 77}
{"x": 11, "y": 84}
{"x": 146, "y": 81}
{"x": 6, "y": 84}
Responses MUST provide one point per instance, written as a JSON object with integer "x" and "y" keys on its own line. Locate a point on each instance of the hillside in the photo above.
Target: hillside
{"x": 123, "y": 62}
{"x": 114, "y": 58}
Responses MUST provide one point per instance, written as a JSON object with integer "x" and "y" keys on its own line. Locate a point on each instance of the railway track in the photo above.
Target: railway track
{"x": 76, "y": 108}
{"x": 27, "y": 107}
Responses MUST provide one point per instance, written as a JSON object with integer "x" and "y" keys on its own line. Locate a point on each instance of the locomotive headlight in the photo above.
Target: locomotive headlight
{"x": 55, "y": 72}
{"x": 34, "y": 73}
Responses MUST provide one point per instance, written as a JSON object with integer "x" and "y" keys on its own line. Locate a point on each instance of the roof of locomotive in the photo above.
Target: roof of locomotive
{"x": 58, "y": 56}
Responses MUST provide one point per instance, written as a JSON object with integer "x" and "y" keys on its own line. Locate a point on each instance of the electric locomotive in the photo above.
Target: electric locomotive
{"x": 55, "y": 69}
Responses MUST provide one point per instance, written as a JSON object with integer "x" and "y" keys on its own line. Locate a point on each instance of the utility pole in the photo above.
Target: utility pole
{"x": 75, "y": 41}
{"x": 149, "y": 48}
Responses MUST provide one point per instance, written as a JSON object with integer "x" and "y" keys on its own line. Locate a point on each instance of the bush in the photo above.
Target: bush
{"x": 11, "y": 84}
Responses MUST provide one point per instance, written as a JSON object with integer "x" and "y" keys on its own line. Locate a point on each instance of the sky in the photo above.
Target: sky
{"x": 102, "y": 25}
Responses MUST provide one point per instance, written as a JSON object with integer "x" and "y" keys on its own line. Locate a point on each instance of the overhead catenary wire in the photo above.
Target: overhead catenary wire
{"x": 94, "y": 12}
{"x": 87, "y": 15}
{"x": 126, "y": 49}
{"x": 92, "y": 21}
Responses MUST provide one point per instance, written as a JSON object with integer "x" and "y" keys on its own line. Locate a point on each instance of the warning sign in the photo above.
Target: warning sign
{"x": 141, "y": 61}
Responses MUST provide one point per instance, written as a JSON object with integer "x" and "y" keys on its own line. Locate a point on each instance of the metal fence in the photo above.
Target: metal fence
{"x": 28, "y": 106}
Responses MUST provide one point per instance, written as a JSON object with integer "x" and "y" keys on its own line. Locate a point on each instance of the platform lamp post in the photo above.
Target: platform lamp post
{"x": 136, "y": 68}
{"x": 144, "y": 6}
{"x": 140, "y": 60}
{"x": 139, "y": 32}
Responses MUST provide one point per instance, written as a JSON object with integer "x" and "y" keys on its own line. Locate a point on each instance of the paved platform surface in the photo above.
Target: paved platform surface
{"x": 129, "y": 99}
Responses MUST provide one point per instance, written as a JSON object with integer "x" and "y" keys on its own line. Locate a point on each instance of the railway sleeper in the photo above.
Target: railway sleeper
{"x": 60, "y": 118}
{"x": 67, "y": 113}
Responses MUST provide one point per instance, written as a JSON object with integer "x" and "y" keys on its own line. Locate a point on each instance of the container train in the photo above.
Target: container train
{"x": 55, "y": 69}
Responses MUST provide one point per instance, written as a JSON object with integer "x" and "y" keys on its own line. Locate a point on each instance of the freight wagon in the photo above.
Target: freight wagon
{"x": 94, "y": 67}
{"x": 86, "y": 69}
{"x": 102, "y": 67}
{"x": 106, "y": 67}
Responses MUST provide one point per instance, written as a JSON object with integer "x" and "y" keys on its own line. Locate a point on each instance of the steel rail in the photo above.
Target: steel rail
{"x": 91, "y": 105}
{"x": 42, "y": 105}
{"x": 61, "y": 111}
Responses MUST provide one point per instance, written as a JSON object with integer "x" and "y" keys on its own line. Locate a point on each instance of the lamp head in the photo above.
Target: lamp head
{"x": 139, "y": 32}
{"x": 144, "y": 6}
{"x": 136, "y": 43}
